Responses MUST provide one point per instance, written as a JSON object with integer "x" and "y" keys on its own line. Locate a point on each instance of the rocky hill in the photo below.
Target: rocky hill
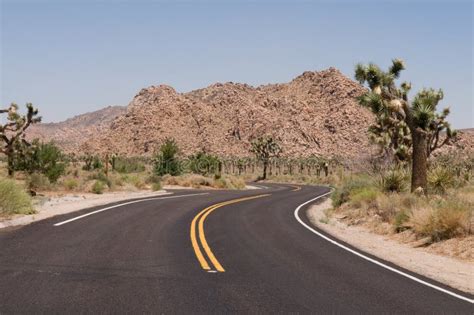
{"x": 71, "y": 133}
{"x": 464, "y": 143}
{"x": 315, "y": 113}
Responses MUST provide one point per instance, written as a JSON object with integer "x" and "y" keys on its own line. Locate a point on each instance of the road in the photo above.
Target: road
{"x": 202, "y": 252}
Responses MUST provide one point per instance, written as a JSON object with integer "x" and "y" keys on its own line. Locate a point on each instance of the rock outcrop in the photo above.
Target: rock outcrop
{"x": 316, "y": 113}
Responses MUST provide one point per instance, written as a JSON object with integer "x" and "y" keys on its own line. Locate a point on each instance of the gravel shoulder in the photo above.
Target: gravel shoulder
{"x": 448, "y": 270}
{"x": 48, "y": 207}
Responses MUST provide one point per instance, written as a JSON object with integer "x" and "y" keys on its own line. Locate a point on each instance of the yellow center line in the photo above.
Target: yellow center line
{"x": 296, "y": 188}
{"x": 201, "y": 216}
{"x": 194, "y": 241}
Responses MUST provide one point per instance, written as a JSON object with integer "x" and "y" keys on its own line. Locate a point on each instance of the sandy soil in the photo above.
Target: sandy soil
{"x": 47, "y": 207}
{"x": 451, "y": 271}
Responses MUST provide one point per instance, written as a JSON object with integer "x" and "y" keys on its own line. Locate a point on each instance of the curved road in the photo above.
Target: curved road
{"x": 201, "y": 252}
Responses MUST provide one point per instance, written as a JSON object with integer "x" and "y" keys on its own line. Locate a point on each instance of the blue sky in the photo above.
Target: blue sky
{"x": 69, "y": 57}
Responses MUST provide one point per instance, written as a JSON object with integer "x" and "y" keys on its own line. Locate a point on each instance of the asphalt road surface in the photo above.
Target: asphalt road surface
{"x": 203, "y": 252}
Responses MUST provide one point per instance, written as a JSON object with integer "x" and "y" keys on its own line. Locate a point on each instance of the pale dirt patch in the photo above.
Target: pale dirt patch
{"x": 451, "y": 271}
{"x": 48, "y": 207}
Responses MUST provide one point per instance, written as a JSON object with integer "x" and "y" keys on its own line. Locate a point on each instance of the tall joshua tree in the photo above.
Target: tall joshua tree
{"x": 12, "y": 131}
{"x": 410, "y": 130}
{"x": 264, "y": 149}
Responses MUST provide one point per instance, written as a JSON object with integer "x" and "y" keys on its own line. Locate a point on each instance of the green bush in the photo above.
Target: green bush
{"x": 44, "y": 158}
{"x": 98, "y": 187}
{"x": 14, "y": 199}
{"x": 166, "y": 160}
{"x": 204, "y": 164}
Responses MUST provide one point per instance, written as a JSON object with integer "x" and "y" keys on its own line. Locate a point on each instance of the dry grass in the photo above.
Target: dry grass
{"x": 439, "y": 217}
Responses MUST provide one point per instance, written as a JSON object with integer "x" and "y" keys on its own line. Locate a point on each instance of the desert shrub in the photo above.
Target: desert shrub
{"x": 38, "y": 181}
{"x": 394, "y": 181}
{"x": 128, "y": 165}
{"x": 99, "y": 175}
{"x": 169, "y": 180}
{"x": 14, "y": 199}
{"x": 196, "y": 181}
{"x": 70, "y": 183}
{"x": 342, "y": 192}
{"x": 136, "y": 180}
{"x": 363, "y": 196}
{"x": 237, "y": 182}
{"x": 116, "y": 181}
{"x": 443, "y": 219}
{"x": 166, "y": 160}
{"x": 400, "y": 220}
{"x": 98, "y": 187}
{"x": 229, "y": 182}
{"x": 387, "y": 206}
{"x": 440, "y": 179}
{"x": 156, "y": 186}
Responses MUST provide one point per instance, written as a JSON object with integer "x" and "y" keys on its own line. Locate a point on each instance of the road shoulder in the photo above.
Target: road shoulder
{"x": 54, "y": 206}
{"x": 450, "y": 271}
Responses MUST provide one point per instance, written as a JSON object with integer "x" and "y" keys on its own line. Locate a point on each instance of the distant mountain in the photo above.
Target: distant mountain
{"x": 71, "y": 133}
{"x": 316, "y": 113}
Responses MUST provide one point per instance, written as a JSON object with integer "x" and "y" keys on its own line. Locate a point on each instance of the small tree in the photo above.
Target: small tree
{"x": 166, "y": 161}
{"x": 264, "y": 149}
{"x": 401, "y": 126}
{"x": 13, "y": 130}
{"x": 44, "y": 158}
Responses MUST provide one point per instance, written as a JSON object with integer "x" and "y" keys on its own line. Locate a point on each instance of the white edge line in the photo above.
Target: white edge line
{"x": 370, "y": 259}
{"x": 124, "y": 204}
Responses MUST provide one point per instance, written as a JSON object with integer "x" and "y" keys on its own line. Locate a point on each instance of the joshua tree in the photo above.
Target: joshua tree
{"x": 403, "y": 126}
{"x": 264, "y": 149}
{"x": 13, "y": 130}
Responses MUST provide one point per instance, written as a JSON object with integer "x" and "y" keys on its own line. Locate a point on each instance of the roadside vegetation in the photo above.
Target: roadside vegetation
{"x": 407, "y": 188}
{"x": 14, "y": 199}
{"x": 382, "y": 201}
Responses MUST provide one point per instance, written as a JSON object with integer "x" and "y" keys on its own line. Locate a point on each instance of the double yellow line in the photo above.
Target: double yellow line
{"x": 198, "y": 223}
{"x": 296, "y": 188}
